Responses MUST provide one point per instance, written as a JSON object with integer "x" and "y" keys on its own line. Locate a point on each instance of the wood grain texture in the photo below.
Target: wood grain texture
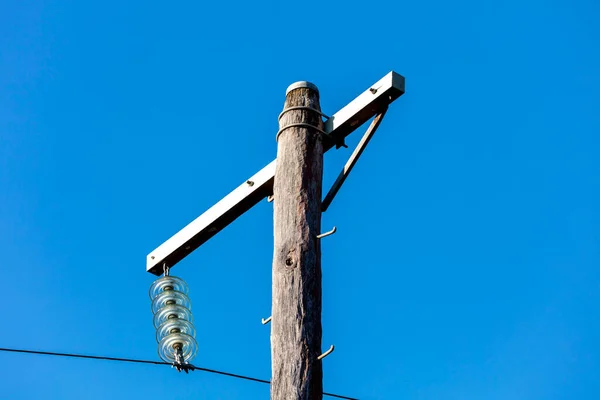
{"x": 296, "y": 308}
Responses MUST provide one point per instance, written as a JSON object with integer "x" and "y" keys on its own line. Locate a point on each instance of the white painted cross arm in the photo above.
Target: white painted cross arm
{"x": 370, "y": 103}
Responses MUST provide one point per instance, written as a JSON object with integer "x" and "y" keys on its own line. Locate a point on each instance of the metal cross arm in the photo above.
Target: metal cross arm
{"x": 370, "y": 103}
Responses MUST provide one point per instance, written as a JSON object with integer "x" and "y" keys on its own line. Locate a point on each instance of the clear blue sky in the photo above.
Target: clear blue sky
{"x": 466, "y": 261}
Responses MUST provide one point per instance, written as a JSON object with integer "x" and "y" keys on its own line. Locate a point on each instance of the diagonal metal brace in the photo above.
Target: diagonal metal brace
{"x": 352, "y": 160}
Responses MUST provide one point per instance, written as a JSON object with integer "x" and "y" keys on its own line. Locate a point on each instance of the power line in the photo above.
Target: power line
{"x": 132, "y": 360}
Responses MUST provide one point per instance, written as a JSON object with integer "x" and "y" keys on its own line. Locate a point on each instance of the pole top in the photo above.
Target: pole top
{"x": 301, "y": 84}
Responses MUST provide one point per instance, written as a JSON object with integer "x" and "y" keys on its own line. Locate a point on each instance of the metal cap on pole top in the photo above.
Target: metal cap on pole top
{"x": 301, "y": 84}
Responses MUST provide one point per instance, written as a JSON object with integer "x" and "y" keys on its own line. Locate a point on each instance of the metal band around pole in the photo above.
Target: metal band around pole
{"x": 302, "y": 108}
{"x": 302, "y": 125}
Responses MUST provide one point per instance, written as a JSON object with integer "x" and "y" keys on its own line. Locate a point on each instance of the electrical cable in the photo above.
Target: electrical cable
{"x": 131, "y": 360}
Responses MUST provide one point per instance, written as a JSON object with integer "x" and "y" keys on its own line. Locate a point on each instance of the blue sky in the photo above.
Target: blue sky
{"x": 466, "y": 260}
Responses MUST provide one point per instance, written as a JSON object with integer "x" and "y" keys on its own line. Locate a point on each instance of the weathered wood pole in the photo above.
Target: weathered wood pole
{"x": 296, "y": 308}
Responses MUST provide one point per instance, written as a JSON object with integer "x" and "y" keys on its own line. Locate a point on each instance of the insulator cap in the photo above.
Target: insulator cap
{"x": 173, "y": 282}
{"x": 172, "y": 311}
{"x": 167, "y": 327}
{"x": 169, "y": 297}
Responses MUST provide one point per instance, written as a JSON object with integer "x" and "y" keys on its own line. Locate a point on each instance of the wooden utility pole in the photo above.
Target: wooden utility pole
{"x": 296, "y": 325}
{"x": 294, "y": 179}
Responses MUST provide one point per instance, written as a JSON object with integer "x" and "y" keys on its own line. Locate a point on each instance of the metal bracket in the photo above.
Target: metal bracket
{"x": 183, "y": 367}
{"x": 180, "y": 364}
{"x": 341, "y": 143}
{"x": 352, "y": 160}
{"x": 328, "y": 352}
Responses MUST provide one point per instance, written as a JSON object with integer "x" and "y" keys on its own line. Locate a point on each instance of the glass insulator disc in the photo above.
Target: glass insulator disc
{"x": 180, "y": 325}
{"x": 172, "y": 311}
{"x": 169, "y": 282}
{"x": 169, "y": 297}
{"x": 166, "y": 349}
